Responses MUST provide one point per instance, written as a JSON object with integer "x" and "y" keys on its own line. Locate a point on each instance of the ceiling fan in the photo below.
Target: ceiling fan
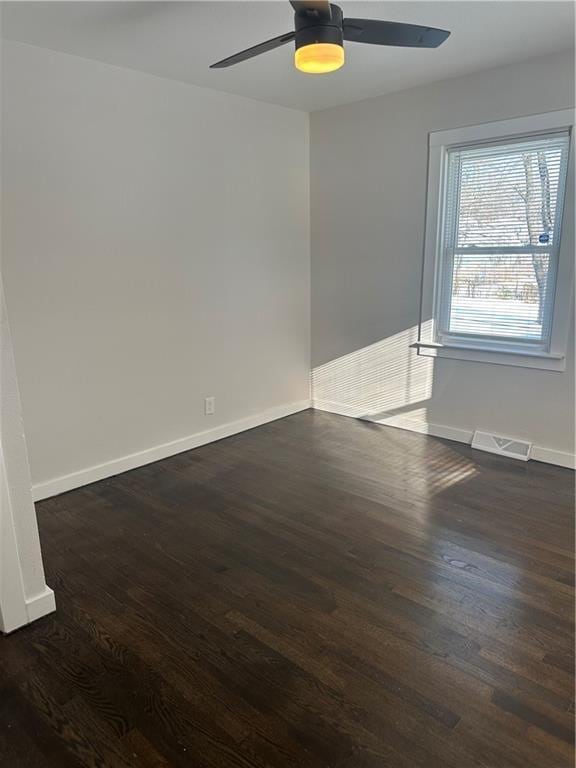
{"x": 320, "y": 31}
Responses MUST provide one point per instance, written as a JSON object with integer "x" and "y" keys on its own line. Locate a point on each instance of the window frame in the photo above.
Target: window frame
{"x": 430, "y": 342}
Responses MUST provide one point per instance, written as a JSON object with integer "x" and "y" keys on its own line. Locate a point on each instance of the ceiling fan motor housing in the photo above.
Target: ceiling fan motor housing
{"x": 310, "y": 29}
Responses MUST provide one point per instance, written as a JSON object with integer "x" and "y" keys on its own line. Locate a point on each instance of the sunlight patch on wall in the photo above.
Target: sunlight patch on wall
{"x": 384, "y": 382}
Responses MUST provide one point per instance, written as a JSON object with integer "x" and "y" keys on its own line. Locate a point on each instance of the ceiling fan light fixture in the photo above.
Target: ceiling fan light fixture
{"x": 319, "y": 58}
{"x": 320, "y": 30}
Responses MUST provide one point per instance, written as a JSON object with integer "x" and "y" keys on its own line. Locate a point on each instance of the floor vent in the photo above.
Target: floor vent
{"x": 504, "y": 446}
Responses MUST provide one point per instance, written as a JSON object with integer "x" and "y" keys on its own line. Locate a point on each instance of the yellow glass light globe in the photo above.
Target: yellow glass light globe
{"x": 319, "y": 58}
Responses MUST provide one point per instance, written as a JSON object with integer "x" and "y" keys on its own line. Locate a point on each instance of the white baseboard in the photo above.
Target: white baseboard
{"x": 124, "y": 463}
{"x": 401, "y": 421}
{"x": 92, "y": 474}
{"x": 551, "y": 456}
{"x": 40, "y": 605}
{"x": 341, "y": 409}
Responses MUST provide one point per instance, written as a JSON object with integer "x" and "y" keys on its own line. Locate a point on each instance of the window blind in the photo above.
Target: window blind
{"x": 499, "y": 233}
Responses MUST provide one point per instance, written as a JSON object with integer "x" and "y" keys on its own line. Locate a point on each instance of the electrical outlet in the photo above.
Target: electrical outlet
{"x": 209, "y": 406}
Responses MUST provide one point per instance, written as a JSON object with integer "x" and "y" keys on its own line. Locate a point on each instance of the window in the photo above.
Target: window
{"x": 496, "y": 281}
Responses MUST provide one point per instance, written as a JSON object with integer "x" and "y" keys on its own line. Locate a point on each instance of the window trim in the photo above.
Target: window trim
{"x": 554, "y": 358}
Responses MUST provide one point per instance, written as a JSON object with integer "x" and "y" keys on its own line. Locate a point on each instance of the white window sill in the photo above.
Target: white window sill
{"x": 540, "y": 360}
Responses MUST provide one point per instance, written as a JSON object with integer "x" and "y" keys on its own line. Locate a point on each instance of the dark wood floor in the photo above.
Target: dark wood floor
{"x": 316, "y": 592}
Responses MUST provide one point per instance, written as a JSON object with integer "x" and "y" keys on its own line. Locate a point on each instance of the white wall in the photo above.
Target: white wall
{"x": 368, "y": 179}
{"x": 155, "y": 251}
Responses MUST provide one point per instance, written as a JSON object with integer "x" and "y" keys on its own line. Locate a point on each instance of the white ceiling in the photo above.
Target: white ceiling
{"x": 179, "y": 40}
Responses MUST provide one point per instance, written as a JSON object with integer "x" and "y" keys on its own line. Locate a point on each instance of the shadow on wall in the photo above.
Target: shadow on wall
{"x": 385, "y": 382}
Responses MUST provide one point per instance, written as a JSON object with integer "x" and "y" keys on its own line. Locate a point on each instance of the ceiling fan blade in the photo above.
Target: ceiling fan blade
{"x": 256, "y": 50}
{"x": 315, "y": 9}
{"x": 392, "y": 33}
